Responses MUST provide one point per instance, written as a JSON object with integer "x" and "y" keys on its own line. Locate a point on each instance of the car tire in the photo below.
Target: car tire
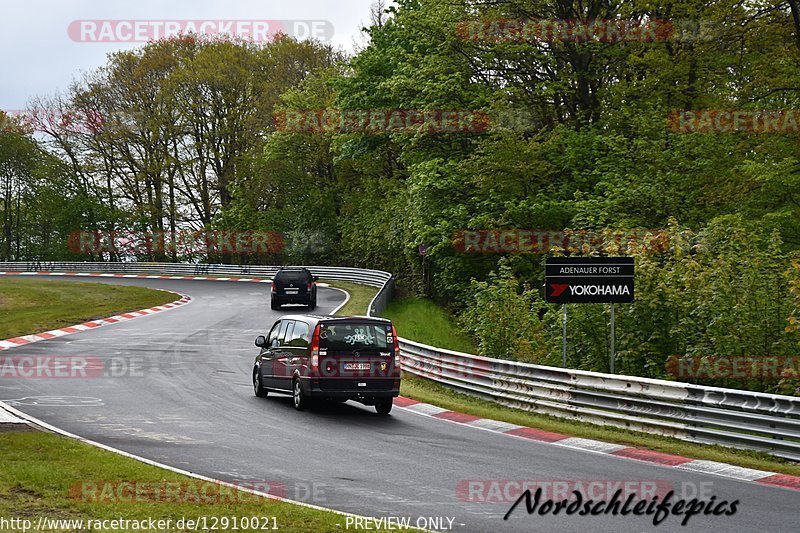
{"x": 274, "y": 306}
{"x": 383, "y": 407}
{"x": 258, "y": 384}
{"x": 299, "y": 397}
{"x": 312, "y": 305}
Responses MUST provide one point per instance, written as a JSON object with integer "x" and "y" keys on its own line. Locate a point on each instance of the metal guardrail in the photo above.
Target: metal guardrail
{"x": 711, "y": 415}
{"x": 374, "y": 278}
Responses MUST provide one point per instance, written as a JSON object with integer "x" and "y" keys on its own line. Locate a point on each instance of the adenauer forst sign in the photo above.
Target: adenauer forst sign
{"x": 589, "y": 280}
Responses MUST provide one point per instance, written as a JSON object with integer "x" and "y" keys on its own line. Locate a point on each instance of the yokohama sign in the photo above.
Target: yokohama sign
{"x": 589, "y": 279}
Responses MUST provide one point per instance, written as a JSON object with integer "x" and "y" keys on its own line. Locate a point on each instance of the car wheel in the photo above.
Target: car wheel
{"x": 300, "y": 400}
{"x": 274, "y": 305}
{"x": 312, "y": 305}
{"x": 383, "y": 407}
{"x": 258, "y": 385}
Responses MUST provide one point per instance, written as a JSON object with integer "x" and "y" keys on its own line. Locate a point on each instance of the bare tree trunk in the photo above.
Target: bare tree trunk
{"x": 796, "y": 19}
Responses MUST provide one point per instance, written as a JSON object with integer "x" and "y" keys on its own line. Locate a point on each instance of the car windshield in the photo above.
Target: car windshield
{"x": 355, "y": 336}
{"x": 292, "y": 275}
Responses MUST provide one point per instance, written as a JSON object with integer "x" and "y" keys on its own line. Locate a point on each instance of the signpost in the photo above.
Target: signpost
{"x": 588, "y": 280}
{"x": 426, "y": 282}
{"x": 564, "y": 335}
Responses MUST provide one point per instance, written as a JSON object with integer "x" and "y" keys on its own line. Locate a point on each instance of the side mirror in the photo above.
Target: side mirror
{"x": 316, "y": 278}
{"x": 261, "y": 341}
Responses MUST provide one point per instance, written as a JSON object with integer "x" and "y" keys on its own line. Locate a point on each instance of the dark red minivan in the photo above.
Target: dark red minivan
{"x": 332, "y": 358}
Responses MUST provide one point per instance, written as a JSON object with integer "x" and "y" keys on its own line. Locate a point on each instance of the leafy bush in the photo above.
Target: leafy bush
{"x": 720, "y": 292}
{"x": 504, "y": 317}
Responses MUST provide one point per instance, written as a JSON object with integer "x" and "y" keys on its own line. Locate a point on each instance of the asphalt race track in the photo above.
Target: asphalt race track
{"x": 183, "y": 397}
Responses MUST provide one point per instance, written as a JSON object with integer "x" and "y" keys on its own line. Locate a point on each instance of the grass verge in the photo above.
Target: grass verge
{"x": 32, "y": 306}
{"x": 360, "y": 297}
{"x": 55, "y": 477}
{"x": 423, "y": 321}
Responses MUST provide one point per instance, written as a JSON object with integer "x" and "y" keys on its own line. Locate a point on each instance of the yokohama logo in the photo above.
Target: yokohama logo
{"x": 589, "y": 290}
{"x": 593, "y": 290}
{"x": 558, "y": 288}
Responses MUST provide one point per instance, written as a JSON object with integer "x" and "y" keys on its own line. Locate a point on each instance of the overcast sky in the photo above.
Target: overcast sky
{"x": 40, "y": 56}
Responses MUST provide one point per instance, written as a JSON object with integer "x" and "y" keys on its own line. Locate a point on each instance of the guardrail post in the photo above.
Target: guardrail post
{"x": 611, "y": 361}
{"x": 564, "y": 336}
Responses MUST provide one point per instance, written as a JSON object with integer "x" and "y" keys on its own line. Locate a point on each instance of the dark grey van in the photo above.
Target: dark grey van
{"x": 294, "y": 285}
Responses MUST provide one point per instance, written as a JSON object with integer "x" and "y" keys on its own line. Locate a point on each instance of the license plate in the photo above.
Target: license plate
{"x": 291, "y": 291}
{"x": 356, "y": 366}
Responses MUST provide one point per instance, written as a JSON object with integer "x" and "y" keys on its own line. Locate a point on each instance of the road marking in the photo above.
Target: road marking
{"x": 45, "y": 425}
{"x": 425, "y": 409}
{"x": 591, "y": 444}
